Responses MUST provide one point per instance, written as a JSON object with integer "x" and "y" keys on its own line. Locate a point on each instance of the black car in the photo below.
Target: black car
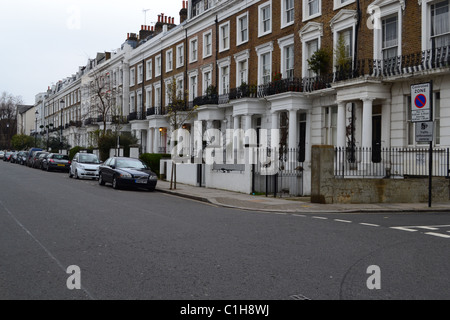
{"x": 127, "y": 172}
{"x": 56, "y": 162}
{"x": 38, "y": 163}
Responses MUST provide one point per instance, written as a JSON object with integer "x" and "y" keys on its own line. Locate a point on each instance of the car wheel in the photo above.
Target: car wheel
{"x": 100, "y": 180}
{"x": 48, "y": 168}
{"x": 115, "y": 184}
{"x": 151, "y": 189}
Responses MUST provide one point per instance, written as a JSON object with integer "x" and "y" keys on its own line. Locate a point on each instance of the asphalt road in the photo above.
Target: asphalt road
{"x": 153, "y": 246}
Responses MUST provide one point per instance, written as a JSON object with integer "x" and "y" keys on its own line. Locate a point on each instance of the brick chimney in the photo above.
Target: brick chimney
{"x": 184, "y": 12}
{"x": 146, "y": 31}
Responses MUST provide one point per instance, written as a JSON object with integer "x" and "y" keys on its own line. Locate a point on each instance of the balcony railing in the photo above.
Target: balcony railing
{"x": 90, "y": 121}
{"x": 381, "y": 68}
{"x": 119, "y": 119}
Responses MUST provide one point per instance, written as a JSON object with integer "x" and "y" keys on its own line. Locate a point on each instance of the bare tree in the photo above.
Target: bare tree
{"x": 178, "y": 113}
{"x": 102, "y": 97}
{"x": 8, "y": 117}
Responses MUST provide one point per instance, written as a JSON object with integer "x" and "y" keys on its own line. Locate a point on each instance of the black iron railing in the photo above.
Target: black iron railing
{"x": 390, "y": 162}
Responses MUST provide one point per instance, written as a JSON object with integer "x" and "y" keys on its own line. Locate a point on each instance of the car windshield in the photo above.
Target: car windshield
{"x": 60, "y": 157}
{"x": 89, "y": 158}
{"x": 130, "y": 163}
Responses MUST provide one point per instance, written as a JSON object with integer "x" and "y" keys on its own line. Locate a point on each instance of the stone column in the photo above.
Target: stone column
{"x": 293, "y": 124}
{"x": 367, "y": 123}
{"x": 341, "y": 124}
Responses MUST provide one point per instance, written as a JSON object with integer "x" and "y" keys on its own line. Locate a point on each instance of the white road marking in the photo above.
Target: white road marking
{"x": 438, "y": 234}
{"x": 345, "y": 221}
{"x": 404, "y": 229}
{"x": 321, "y": 218}
{"x": 299, "y": 215}
{"x": 369, "y": 224}
{"x": 428, "y": 228}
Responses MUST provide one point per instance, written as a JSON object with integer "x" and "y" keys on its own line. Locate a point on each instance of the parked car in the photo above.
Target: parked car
{"x": 13, "y": 158}
{"x": 56, "y": 162}
{"x": 2, "y": 154}
{"x": 30, "y": 155}
{"x": 84, "y": 165}
{"x": 39, "y": 157}
{"x": 22, "y": 157}
{"x": 8, "y": 155}
{"x": 127, "y": 172}
{"x": 35, "y": 158}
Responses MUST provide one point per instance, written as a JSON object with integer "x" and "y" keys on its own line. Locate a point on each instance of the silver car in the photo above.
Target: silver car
{"x": 84, "y": 165}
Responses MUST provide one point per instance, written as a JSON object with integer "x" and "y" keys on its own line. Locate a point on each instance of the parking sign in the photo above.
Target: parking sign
{"x": 421, "y": 102}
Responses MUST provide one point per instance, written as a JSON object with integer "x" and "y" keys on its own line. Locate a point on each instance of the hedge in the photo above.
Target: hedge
{"x": 152, "y": 160}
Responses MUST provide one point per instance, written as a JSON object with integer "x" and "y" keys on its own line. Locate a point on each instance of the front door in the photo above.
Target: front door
{"x": 376, "y": 138}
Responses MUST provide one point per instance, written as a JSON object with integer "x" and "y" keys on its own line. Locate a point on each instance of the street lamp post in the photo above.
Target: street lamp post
{"x": 7, "y": 136}
{"x": 35, "y": 131}
{"x": 61, "y": 103}
{"x": 48, "y": 132}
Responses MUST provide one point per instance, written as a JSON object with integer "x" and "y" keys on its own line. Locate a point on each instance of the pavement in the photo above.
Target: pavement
{"x": 230, "y": 199}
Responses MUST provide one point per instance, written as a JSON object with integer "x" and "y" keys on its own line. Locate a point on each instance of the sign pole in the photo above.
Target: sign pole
{"x": 430, "y": 164}
{"x": 422, "y": 114}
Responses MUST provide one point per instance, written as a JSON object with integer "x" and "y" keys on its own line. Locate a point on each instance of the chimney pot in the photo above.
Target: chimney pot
{"x": 184, "y": 5}
{"x": 159, "y": 18}
{"x": 165, "y": 19}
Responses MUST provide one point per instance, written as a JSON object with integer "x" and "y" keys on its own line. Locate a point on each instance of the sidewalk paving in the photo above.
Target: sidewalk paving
{"x": 230, "y": 199}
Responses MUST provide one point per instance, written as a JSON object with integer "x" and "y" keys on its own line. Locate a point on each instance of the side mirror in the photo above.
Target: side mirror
{"x": 113, "y": 167}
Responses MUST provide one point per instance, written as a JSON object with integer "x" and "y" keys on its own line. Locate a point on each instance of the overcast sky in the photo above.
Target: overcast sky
{"x": 44, "y": 41}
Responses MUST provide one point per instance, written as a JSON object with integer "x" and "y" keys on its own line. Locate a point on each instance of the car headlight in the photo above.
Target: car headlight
{"x": 153, "y": 178}
{"x": 125, "y": 175}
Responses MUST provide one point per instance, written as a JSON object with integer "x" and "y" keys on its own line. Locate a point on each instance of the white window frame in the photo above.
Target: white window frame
{"x": 167, "y": 83}
{"x": 306, "y": 15}
{"x": 241, "y": 57}
{"x": 180, "y": 55}
{"x": 283, "y": 43}
{"x": 222, "y": 47}
{"x": 180, "y": 87}
{"x": 148, "y": 96}
{"x": 132, "y": 77}
{"x": 339, "y": 4}
{"x": 224, "y": 87}
{"x": 169, "y": 61}
{"x": 140, "y": 73}
{"x": 206, "y": 70}
{"x": 239, "y": 39}
{"x": 426, "y": 23}
{"x": 345, "y": 19}
{"x": 140, "y": 97}
{"x": 158, "y": 66}
{"x": 262, "y": 50}
{"x": 261, "y": 8}
{"x": 132, "y": 102}
{"x": 149, "y": 69}
{"x": 207, "y": 35}
{"x": 191, "y": 51}
{"x": 193, "y": 91}
{"x": 157, "y": 94}
{"x": 284, "y": 22}
{"x": 381, "y": 10}
{"x": 310, "y": 32}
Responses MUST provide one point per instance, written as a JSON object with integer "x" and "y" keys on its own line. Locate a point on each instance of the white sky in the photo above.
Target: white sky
{"x": 44, "y": 41}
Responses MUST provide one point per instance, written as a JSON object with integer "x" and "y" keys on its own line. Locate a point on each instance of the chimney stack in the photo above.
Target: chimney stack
{"x": 184, "y": 12}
